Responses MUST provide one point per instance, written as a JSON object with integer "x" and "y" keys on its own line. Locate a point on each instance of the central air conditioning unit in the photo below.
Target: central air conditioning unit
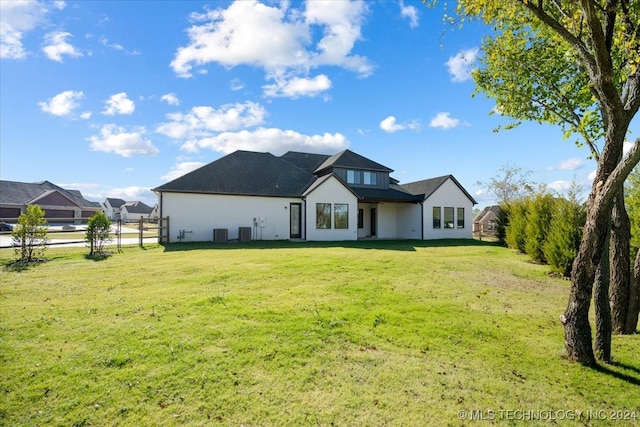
{"x": 220, "y": 235}
{"x": 244, "y": 234}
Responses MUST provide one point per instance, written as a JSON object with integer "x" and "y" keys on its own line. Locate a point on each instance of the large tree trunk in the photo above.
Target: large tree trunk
{"x": 577, "y": 330}
{"x": 602, "y": 308}
{"x": 634, "y": 298}
{"x": 620, "y": 258}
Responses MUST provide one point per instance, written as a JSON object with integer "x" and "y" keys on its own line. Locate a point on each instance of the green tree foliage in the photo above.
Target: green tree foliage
{"x": 632, "y": 200}
{"x": 538, "y": 220}
{"x": 510, "y": 183}
{"x": 576, "y": 64}
{"x": 98, "y": 233}
{"x": 30, "y": 234}
{"x": 515, "y": 232}
{"x": 565, "y": 233}
{"x": 502, "y": 222}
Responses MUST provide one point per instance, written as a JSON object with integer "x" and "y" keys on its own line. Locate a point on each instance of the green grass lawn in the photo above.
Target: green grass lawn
{"x": 402, "y": 333}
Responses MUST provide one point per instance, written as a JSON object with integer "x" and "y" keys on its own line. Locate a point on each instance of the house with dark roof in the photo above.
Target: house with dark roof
{"x": 118, "y": 209}
{"x": 311, "y": 197}
{"x": 59, "y": 204}
{"x": 486, "y": 220}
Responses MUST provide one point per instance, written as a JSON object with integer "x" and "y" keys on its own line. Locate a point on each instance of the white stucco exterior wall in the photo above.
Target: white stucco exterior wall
{"x": 448, "y": 195}
{"x": 409, "y": 222}
{"x": 331, "y": 191}
{"x": 199, "y": 214}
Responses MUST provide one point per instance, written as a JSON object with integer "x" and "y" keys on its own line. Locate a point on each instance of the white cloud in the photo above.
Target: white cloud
{"x": 276, "y": 141}
{"x": 236, "y": 85}
{"x": 445, "y": 121}
{"x": 62, "y": 104}
{"x": 56, "y": 46}
{"x": 180, "y": 169}
{"x": 560, "y": 186}
{"x": 133, "y": 192}
{"x": 116, "y": 46}
{"x": 119, "y": 104}
{"x": 202, "y": 121}
{"x": 116, "y": 139}
{"x": 390, "y": 125}
{"x": 571, "y": 164}
{"x": 461, "y": 65}
{"x": 409, "y": 12}
{"x": 16, "y": 19}
{"x": 170, "y": 98}
{"x": 627, "y": 146}
{"x": 86, "y": 115}
{"x": 592, "y": 175}
{"x": 298, "y": 86}
{"x": 277, "y": 39}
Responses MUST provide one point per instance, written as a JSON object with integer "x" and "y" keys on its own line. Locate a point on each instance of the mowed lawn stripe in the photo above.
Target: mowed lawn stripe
{"x": 280, "y": 333}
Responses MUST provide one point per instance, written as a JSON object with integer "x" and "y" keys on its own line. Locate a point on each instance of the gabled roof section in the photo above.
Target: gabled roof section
{"x": 244, "y": 173}
{"x": 137, "y": 207}
{"x": 494, "y": 210}
{"x": 305, "y": 161}
{"x": 349, "y": 160}
{"x": 23, "y": 193}
{"x": 318, "y": 182}
{"x": 115, "y": 203}
{"x": 427, "y": 187}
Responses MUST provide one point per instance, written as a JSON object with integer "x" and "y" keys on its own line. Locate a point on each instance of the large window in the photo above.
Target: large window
{"x": 362, "y": 177}
{"x": 340, "y": 216}
{"x": 436, "y": 217}
{"x": 460, "y": 217}
{"x": 448, "y": 217}
{"x": 323, "y": 215}
{"x": 370, "y": 178}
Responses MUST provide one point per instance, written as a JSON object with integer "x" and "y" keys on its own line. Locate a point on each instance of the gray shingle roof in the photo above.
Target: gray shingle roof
{"x": 115, "y": 203}
{"x": 137, "y": 207}
{"x": 244, "y": 173}
{"x": 21, "y": 193}
{"x": 427, "y": 187}
{"x": 351, "y": 160}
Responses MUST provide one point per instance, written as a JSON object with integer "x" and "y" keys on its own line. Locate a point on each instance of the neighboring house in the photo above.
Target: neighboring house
{"x": 485, "y": 222}
{"x": 59, "y": 204}
{"x": 111, "y": 207}
{"x": 117, "y": 209}
{"x": 133, "y": 211}
{"x": 311, "y": 197}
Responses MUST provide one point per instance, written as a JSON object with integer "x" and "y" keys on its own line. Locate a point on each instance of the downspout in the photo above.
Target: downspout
{"x": 422, "y": 220}
{"x": 304, "y": 210}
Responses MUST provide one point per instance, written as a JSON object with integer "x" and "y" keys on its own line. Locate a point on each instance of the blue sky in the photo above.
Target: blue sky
{"x": 116, "y": 98}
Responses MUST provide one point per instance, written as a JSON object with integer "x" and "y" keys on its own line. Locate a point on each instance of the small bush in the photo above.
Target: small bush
{"x": 98, "y": 233}
{"x": 30, "y": 234}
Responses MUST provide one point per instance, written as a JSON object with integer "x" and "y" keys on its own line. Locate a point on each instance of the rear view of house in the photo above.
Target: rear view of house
{"x": 311, "y": 197}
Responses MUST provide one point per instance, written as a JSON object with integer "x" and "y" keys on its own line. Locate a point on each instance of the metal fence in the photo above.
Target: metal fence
{"x": 124, "y": 232}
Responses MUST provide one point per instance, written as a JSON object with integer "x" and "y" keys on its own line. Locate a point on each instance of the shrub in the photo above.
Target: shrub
{"x": 30, "y": 234}
{"x": 564, "y": 236}
{"x": 98, "y": 233}
{"x": 538, "y": 220}
{"x": 515, "y": 231}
